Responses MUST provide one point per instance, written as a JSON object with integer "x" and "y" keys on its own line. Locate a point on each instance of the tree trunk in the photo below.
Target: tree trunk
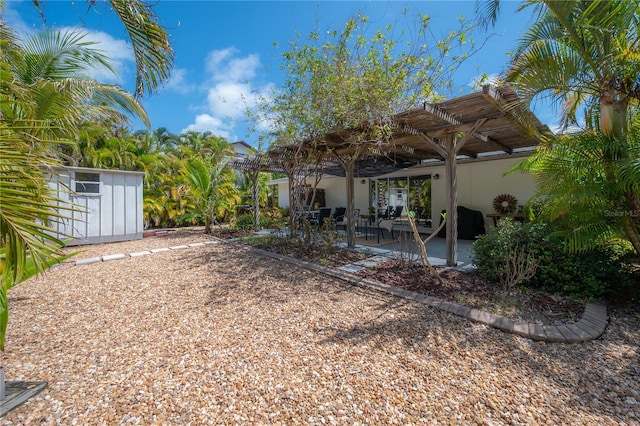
{"x": 613, "y": 115}
{"x": 207, "y": 225}
{"x": 256, "y": 202}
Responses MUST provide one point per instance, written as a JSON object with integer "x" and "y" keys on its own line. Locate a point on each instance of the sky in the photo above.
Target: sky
{"x": 228, "y": 53}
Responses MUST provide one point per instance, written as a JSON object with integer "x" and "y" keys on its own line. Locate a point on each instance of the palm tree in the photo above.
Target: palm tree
{"x": 54, "y": 65}
{"x": 27, "y": 205}
{"x": 585, "y": 54}
{"x": 583, "y": 181}
{"x": 43, "y": 92}
{"x": 212, "y": 183}
{"x": 579, "y": 53}
{"x": 151, "y": 48}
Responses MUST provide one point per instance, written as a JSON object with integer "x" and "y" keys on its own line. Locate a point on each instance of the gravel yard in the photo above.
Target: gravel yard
{"x": 219, "y": 335}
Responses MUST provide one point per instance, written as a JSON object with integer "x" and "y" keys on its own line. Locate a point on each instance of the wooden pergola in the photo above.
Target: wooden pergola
{"x": 487, "y": 122}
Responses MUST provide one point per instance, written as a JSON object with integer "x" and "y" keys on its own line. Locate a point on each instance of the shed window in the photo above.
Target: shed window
{"x": 87, "y": 183}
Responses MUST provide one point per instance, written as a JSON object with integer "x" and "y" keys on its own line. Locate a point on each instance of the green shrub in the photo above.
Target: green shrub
{"x": 244, "y": 222}
{"x": 269, "y": 218}
{"x": 273, "y": 217}
{"x": 596, "y": 274}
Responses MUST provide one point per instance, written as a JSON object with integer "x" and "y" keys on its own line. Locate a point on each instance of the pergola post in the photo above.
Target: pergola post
{"x": 451, "y": 193}
{"x": 255, "y": 174}
{"x": 351, "y": 229}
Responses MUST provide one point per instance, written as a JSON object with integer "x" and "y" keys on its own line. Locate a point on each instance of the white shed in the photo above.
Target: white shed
{"x": 109, "y": 204}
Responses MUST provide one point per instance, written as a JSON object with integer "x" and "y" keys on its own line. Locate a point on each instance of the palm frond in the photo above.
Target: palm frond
{"x": 55, "y": 55}
{"x": 151, "y": 47}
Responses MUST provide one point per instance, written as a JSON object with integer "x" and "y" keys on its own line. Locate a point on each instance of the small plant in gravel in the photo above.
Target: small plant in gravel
{"x": 329, "y": 235}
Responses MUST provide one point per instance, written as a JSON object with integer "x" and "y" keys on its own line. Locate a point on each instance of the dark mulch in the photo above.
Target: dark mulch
{"x": 469, "y": 289}
{"x": 230, "y": 234}
{"x": 461, "y": 287}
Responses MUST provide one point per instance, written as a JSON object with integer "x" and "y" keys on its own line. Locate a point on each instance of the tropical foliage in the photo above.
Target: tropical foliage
{"x": 27, "y": 205}
{"x": 150, "y": 41}
{"x": 601, "y": 273}
{"x": 583, "y": 56}
{"x": 212, "y": 182}
{"x": 55, "y": 66}
{"x": 584, "y": 182}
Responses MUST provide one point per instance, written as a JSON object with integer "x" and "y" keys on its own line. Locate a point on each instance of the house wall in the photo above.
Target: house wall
{"x": 116, "y": 214}
{"x": 479, "y": 182}
{"x": 335, "y": 191}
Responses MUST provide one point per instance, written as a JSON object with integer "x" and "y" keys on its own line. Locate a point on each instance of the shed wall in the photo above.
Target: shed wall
{"x": 115, "y": 214}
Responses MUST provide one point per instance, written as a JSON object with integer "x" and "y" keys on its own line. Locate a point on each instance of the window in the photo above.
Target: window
{"x": 87, "y": 183}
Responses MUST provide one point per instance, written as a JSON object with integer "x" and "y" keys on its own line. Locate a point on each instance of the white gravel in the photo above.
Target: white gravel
{"x": 218, "y": 335}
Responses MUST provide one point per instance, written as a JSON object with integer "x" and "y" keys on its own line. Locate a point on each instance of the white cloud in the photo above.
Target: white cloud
{"x": 224, "y": 65}
{"x": 227, "y": 99}
{"x": 208, "y": 123}
{"x": 231, "y": 90}
{"x": 178, "y": 82}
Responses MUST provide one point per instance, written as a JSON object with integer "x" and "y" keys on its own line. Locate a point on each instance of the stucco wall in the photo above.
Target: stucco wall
{"x": 479, "y": 182}
{"x": 335, "y": 193}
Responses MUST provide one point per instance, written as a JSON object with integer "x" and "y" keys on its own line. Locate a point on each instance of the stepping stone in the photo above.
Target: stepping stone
{"x": 88, "y": 261}
{"x": 351, "y": 268}
{"x": 158, "y": 250}
{"x": 140, "y": 253}
{"x": 110, "y": 257}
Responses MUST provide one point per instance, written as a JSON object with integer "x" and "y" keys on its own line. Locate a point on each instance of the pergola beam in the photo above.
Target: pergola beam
{"x": 489, "y": 139}
{"x": 441, "y": 114}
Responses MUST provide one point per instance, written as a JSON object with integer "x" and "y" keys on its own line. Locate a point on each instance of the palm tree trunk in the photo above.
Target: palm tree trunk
{"x": 613, "y": 114}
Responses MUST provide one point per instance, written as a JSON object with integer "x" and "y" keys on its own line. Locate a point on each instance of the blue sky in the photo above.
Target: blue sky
{"x": 225, "y": 50}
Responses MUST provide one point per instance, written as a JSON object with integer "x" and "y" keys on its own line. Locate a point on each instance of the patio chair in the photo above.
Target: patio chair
{"x": 397, "y": 212}
{"x": 338, "y": 214}
{"x": 323, "y": 214}
{"x": 385, "y": 224}
{"x": 385, "y": 214}
{"x": 341, "y": 221}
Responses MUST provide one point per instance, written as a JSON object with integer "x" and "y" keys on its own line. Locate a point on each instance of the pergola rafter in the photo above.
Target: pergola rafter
{"x": 472, "y": 125}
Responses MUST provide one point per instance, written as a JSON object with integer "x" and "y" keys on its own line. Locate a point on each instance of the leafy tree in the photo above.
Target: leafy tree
{"x": 357, "y": 79}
